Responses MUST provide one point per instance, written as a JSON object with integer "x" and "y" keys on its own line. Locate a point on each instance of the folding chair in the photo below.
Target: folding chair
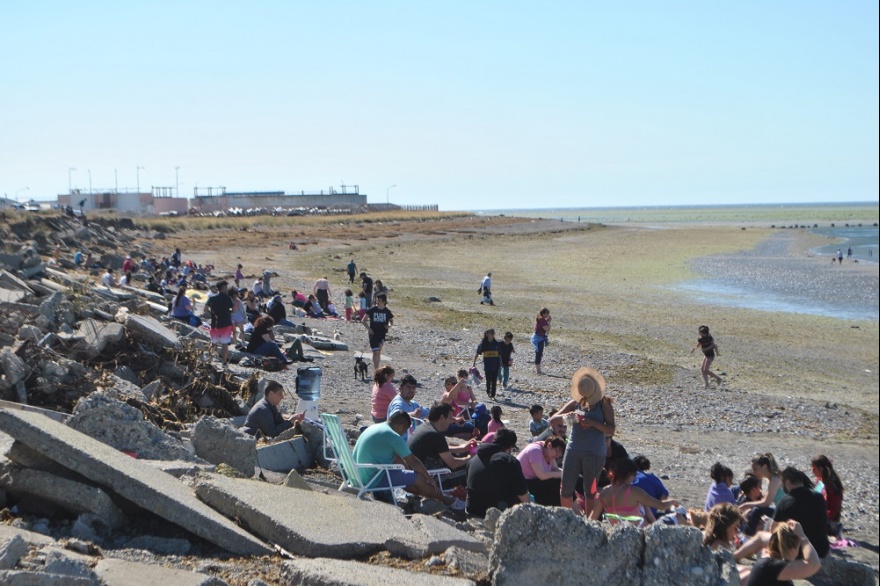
{"x": 350, "y": 470}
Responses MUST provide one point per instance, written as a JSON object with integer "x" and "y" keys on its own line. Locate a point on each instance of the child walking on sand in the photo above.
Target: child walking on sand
{"x": 349, "y": 304}
{"x": 506, "y": 358}
{"x": 707, "y": 343}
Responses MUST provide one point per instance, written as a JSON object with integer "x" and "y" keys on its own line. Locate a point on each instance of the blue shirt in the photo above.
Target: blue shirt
{"x": 378, "y": 444}
{"x": 398, "y": 404}
{"x": 652, "y": 485}
{"x": 719, "y": 493}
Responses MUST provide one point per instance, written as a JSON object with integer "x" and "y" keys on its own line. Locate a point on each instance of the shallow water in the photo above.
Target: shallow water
{"x": 862, "y": 239}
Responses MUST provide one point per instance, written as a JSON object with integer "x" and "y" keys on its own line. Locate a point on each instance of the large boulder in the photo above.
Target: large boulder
{"x": 527, "y": 549}
{"x": 530, "y": 549}
{"x": 218, "y": 442}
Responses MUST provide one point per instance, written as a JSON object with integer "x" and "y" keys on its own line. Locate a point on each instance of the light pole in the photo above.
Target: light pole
{"x": 116, "y": 180}
{"x": 69, "y": 183}
{"x": 20, "y": 190}
{"x": 90, "y": 180}
{"x": 177, "y": 182}
{"x": 138, "y": 172}
{"x": 388, "y": 193}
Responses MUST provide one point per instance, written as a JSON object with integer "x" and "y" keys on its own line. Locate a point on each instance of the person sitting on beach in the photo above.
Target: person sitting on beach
{"x": 495, "y": 477}
{"x": 720, "y": 492}
{"x": 108, "y": 280}
{"x": 614, "y": 450}
{"x": 829, "y": 484}
{"x": 265, "y": 418}
{"x": 765, "y": 468}
{"x": 495, "y": 422}
{"x": 538, "y": 461}
{"x": 331, "y": 310}
{"x": 428, "y": 443}
{"x": 383, "y": 444}
{"x": 710, "y": 350}
{"x": 649, "y": 483}
{"x": 788, "y": 556}
{"x": 806, "y": 506}
{"x": 277, "y": 312}
{"x": 262, "y": 340}
{"x": 257, "y": 287}
{"x": 152, "y": 285}
{"x": 297, "y": 299}
{"x": 404, "y": 401}
{"x": 181, "y": 307}
{"x": 125, "y": 282}
{"x": 251, "y": 305}
{"x": 538, "y": 423}
{"x": 313, "y": 308}
{"x": 722, "y": 527}
{"x": 383, "y": 393}
{"x": 621, "y": 501}
{"x": 267, "y": 284}
{"x": 455, "y": 391}
{"x": 557, "y": 428}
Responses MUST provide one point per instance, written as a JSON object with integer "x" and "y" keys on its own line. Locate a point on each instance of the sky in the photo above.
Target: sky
{"x": 468, "y": 105}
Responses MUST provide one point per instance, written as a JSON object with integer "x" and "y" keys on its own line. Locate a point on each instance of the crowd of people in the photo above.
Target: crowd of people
{"x": 570, "y": 457}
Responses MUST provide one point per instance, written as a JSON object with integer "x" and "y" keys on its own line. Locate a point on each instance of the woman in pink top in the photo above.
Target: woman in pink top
{"x": 383, "y": 393}
{"x": 621, "y": 501}
{"x": 538, "y": 461}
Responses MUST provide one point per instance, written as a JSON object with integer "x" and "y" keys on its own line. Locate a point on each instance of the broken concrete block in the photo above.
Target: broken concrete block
{"x": 68, "y": 494}
{"x": 28, "y": 578}
{"x": 219, "y": 442}
{"x": 308, "y": 523}
{"x": 284, "y": 456}
{"x": 141, "y": 484}
{"x": 114, "y": 572}
{"x": 440, "y": 535}
{"x": 151, "y": 390}
{"x": 328, "y": 572}
{"x": 96, "y": 336}
{"x": 64, "y": 564}
{"x": 13, "y": 367}
{"x": 160, "y": 545}
{"x": 11, "y": 550}
{"x": 294, "y": 480}
{"x": 466, "y": 562}
{"x": 28, "y": 272}
{"x": 151, "y": 331}
{"x": 102, "y": 417}
{"x": 13, "y": 261}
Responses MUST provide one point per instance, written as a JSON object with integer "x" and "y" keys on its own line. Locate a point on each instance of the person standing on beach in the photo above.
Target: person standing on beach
{"x": 352, "y": 271}
{"x": 848, "y": 252}
{"x": 322, "y": 292}
{"x": 490, "y": 349}
{"x": 540, "y": 337}
{"x": 485, "y": 290}
{"x": 707, "y": 343}
{"x": 839, "y": 256}
{"x": 367, "y": 287}
{"x": 380, "y": 320}
{"x": 220, "y": 307}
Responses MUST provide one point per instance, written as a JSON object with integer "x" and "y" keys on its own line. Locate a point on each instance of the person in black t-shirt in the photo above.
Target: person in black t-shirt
{"x": 428, "y": 443}
{"x": 380, "y": 319}
{"x": 220, "y": 308}
{"x": 805, "y": 506}
{"x": 367, "y": 286}
{"x": 495, "y": 477}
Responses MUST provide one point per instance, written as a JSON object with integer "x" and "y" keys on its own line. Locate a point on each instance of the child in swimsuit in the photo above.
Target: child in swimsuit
{"x": 707, "y": 344}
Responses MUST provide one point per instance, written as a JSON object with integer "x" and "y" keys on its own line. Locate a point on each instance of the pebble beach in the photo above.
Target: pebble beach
{"x": 795, "y": 385}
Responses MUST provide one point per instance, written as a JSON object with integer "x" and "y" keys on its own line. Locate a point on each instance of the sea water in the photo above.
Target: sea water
{"x": 742, "y": 292}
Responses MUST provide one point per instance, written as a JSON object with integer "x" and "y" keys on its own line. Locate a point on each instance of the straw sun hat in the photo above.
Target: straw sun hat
{"x": 587, "y": 385}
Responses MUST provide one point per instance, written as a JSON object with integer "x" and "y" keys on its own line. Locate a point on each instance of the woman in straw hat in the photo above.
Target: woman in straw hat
{"x": 590, "y": 416}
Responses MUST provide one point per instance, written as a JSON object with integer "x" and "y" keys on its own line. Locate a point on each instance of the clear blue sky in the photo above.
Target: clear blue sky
{"x": 471, "y": 105}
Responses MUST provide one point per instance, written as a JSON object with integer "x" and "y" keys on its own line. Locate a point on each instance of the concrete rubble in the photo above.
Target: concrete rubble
{"x": 312, "y": 524}
{"x": 158, "y": 493}
{"x": 331, "y": 572}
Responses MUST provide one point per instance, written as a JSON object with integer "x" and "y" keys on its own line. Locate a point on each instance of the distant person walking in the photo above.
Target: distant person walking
{"x": 707, "y": 344}
{"x": 490, "y": 349}
{"x": 839, "y": 256}
{"x": 485, "y": 290}
{"x": 541, "y": 336}
{"x": 848, "y": 252}
{"x": 352, "y": 271}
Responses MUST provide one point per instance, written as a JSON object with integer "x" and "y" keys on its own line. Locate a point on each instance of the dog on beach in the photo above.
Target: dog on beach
{"x": 360, "y": 368}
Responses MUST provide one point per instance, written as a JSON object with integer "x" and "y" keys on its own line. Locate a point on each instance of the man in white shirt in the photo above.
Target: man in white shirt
{"x": 108, "y": 280}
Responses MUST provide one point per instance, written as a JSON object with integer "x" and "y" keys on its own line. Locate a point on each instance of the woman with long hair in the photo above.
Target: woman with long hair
{"x": 538, "y": 462}
{"x": 765, "y": 468}
{"x": 780, "y": 564}
{"x": 722, "y": 527}
{"x": 829, "y": 484}
{"x": 383, "y": 393}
